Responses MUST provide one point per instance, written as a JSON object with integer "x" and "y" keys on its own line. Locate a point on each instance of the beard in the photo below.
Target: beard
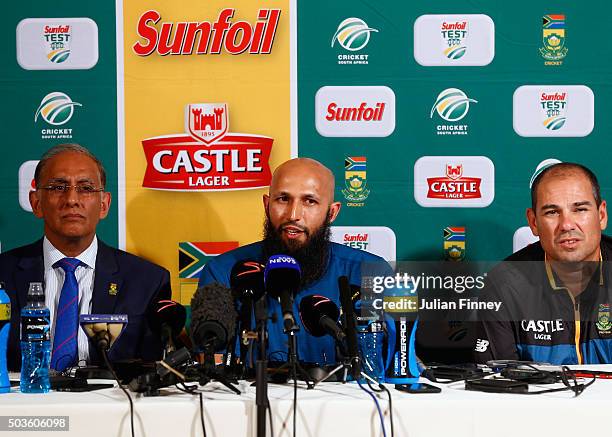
{"x": 311, "y": 256}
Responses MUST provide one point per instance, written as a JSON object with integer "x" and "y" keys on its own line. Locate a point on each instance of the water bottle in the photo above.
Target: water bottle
{"x": 5, "y": 325}
{"x": 35, "y": 343}
{"x": 370, "y": 339}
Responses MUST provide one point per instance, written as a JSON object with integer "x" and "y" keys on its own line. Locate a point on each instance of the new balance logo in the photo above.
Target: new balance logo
{"x": 481, "y": 345}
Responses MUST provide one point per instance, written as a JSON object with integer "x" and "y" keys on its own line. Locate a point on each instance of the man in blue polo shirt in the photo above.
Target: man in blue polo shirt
{"x": 299, "y": 210}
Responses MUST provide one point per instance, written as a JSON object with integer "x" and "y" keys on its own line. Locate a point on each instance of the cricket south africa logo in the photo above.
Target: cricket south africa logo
{"x": 454, "y": 36}
{"x": 207, "y": 157}
{"x": 56, "y": 109}
{"x": 553, "y": 39}
{"x": 553, "y": 110}
{"x": 452, "y": 105}
{"x": 57, "y": 42}
{"x": 353, "y": 34}
{"x": 355, "y": 181}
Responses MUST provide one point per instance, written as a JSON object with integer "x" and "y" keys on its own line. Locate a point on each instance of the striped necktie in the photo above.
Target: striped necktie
{"x": 65, "y": 346}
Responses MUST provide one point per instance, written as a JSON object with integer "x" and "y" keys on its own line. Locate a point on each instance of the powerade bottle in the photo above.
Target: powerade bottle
{"x": 5, "y": 318}
{"x": 370, "y": 339}
{"x": 35, "y": 342}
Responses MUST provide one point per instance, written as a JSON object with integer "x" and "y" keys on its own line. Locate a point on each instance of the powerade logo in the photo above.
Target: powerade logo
{"x": 454, "y": 36}
{"x": 353, "y": 34}
{"x": 189, "y": 37}
{"x": 451, "y": 105}
{"x": 56, "y": 109}
{"x": 553, "y": 110}
{"x": 57, "y": 40}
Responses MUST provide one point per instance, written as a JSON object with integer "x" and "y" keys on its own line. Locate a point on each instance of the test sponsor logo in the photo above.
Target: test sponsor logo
{"x": 553, "y": 111}
{"x": 454, "y": 36}
{"x": 451, "y": 105}
{"x": 56, "y": 109}
{"x": 454, "y": 181}
{"x": 379, "y": 240}
{"x": 57, "y": 43}
{"x": 26, "y": 184}
{"x": 355, "y": 111}
{"x": 207, "y": 157}
{"x": 205, "y": 37}
{"x": 353, "y": 35}
{"x": 454, "y": 40}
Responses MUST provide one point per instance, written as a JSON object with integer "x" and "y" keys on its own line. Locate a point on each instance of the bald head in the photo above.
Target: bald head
{"x": 301, "y": 199}
{"x": 306, "y": 167}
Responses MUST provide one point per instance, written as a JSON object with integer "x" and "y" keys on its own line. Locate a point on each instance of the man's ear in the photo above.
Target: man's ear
{"x": 106, "y": 202}
{"x": 531, "y": 221}
{"x": 266, "y": 201}
{"x": 603, "y": 215}
{"x": 35, "y": 203}
{"x": 334, "y": 209}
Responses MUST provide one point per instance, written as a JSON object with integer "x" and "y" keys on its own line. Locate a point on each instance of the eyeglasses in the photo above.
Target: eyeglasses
{"x": 82, "y": 189}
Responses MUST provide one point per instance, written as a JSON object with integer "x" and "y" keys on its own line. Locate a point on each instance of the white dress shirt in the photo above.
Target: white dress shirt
{"x": 54, "y": 280}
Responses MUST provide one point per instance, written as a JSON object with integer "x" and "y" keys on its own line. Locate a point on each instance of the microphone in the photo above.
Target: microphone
{"x": 320, "y": 316}
{"x": 247, "y": 282}
{"x": 103, "y": 329}
{"x": 167, "y": 318}
{"x": 282, "y": 279}
{"x": 213, "y": 318}
{"x": 349, "y": 322}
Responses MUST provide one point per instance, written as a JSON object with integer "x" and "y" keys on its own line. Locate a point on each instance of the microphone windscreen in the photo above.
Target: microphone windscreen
{"x": 213, "y": 313}
{"x": 247, "y": 280}
{"x": 312, "y": 308}
{"x": 282, "y": 272}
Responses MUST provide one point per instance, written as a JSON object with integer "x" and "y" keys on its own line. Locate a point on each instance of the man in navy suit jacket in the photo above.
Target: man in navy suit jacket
{"x": 71, "y": 200}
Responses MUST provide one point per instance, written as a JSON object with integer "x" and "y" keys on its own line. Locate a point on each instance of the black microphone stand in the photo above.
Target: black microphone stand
{"x": 261, "y": 365}
{"x": 209, "y": 372}
{"x": 295, "y": 368}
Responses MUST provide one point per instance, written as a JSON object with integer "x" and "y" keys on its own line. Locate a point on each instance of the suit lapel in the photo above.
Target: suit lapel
{"x": 107, "y": 282}
{"x": 31, "y": 268}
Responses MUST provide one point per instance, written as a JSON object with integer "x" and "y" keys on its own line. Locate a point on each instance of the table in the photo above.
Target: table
{"x": 332, "y": 409}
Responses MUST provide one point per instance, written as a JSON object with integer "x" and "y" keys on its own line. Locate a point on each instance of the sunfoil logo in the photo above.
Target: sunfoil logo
{"x": 56, "y": 108}
{"x": 553, "y": 110}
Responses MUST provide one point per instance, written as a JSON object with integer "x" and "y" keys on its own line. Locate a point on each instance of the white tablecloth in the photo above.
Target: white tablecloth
{"x": 331, "y": 409}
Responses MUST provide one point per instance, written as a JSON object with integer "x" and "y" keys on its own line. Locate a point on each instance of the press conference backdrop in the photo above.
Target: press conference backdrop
{"x": 433, "y": 117}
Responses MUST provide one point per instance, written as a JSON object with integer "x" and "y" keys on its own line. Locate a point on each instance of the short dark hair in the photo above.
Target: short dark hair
{"x": 69, "y": 147}
{"x": 564, "y": 168}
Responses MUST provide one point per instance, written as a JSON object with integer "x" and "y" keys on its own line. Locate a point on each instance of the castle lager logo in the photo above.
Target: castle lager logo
{"x": 353, "y": 34}
{"x": 355, "y": 111}
{"x": 189, "y": 37}
{"x": 553, "y": 110}
{"x": 451, "y": 105}
{"x": 454, "y": 37}
{"x": 207, "y": 157}
{"x": 57, "y": 41}
{"x": 454, "y": 40}
{"x": 454, "y": 181}
{"x": 454, "y": 185}
{"x": 355, "y": 181}
{"x": 553, "y": 39}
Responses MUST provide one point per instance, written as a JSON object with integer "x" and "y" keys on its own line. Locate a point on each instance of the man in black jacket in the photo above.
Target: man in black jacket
{"x": 555, "y": 293}
{"x": 81, "y": 274}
